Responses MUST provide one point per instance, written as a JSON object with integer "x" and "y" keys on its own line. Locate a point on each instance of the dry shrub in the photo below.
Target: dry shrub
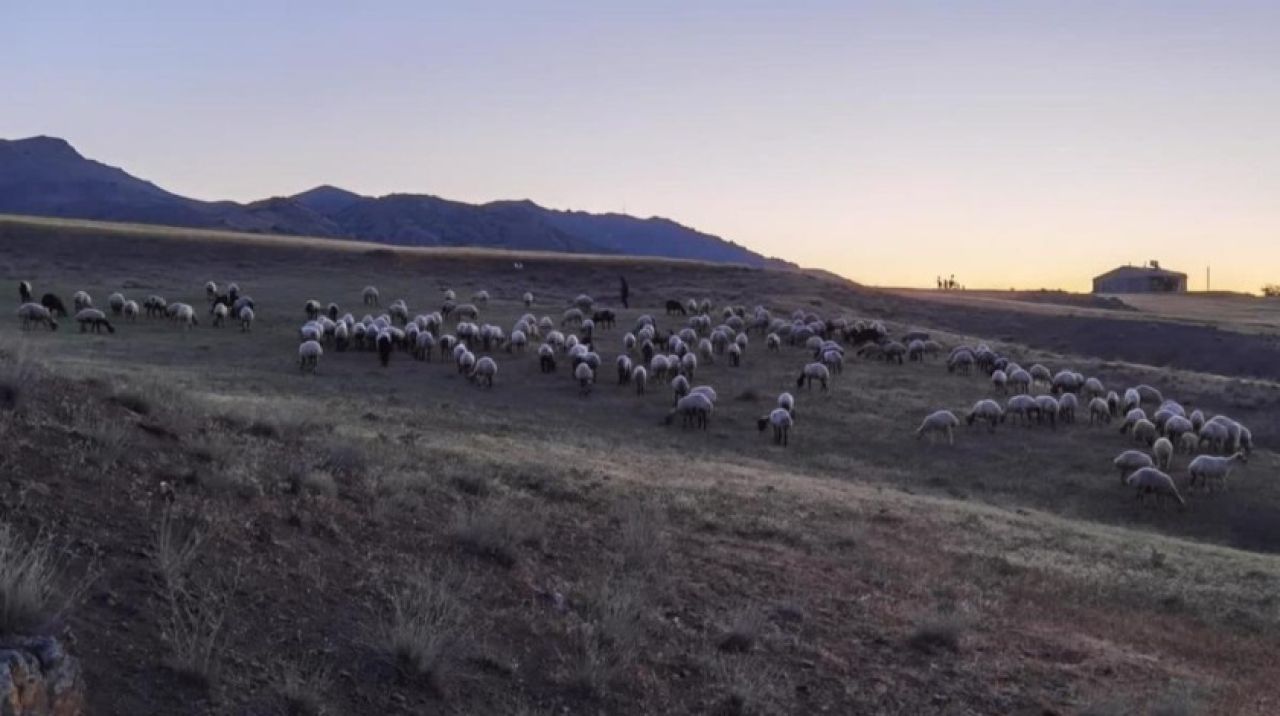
{"x": 939, "y": 633}
{"x": 30, "y": 573}
{"x": 495, "y": 531}
{"x": 426, "y": 629}
{"x": 609, "y": 640}
{"x": 746, "y": 628}
{"x": 302, "y": 688}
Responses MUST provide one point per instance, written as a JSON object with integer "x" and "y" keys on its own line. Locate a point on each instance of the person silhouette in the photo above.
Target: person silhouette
{"x": 624, "y": 291}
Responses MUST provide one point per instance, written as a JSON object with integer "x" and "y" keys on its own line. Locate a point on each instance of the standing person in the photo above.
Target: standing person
{"x": 625, "y": 291}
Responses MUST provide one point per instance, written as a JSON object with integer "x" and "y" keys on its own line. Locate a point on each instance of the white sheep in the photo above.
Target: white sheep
{"x": 624, "y": 369}
{"x": 220, "y": 312}
{"x": 689, "y": 365}
{"x": 640, "y": 377}
{"x": 679, "y": 387}
{"x": 1211, "y": 467}
{"x": 116, "y": 302}
{"x": 1019, "y": 380}
{"x": 781, "y": 420}
{"x": 939, "y": 422}
{"x": 309, "y": 353}
{"x": 1145, "y": 431}
{"x": 371, "y": 296}
{"x": 528, "y": 299}
{"x": 1150, "y": 481}
{"x": 773, "y": 342}
{"x": 183, "y": 313}
{"x": 485, "y": 370}
{"x": 999, "y": 380}
{"x": 1099, "y": 411}
{"x": 34, "y": 313}
{"x": 1216, "y": 435}
{"x": 1162, "y": 449}
{"x": 585, "y": 377}
{"x": 787, "y": 402}
{"x": 812, "y": 372}
{"x": 81, "y": 300}
{"x": 1188, "y": 442}
{"x": 131, "y": 310}
{"x": 693, "y": 409}
{"x": 480, "y": 297}
{"x": 988, "y": 411}
{"x": 246, "y": 319}
{"x": 1130, "y": 460}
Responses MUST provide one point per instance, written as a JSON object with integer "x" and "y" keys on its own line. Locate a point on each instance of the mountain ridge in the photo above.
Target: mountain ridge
{"x": 47, "y": 176}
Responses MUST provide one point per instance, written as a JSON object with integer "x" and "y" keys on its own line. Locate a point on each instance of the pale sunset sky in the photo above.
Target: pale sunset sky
{"x": 1016, "y": 144}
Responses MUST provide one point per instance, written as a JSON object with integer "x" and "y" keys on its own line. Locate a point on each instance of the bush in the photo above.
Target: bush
{"x": 426, "y": 627}
{"x": 493, "y": 533}
{"x": 29, "y": 575}
{"x": 937, "y": 634}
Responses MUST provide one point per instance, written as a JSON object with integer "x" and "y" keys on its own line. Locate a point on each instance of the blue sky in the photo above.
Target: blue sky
{"x": 1015, "y": 144}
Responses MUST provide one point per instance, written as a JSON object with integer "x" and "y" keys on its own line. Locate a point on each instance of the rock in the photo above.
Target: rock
{"x": 39, "y": 678}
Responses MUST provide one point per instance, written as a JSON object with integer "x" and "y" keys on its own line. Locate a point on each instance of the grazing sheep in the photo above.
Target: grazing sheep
{"x": 210, "y": 291}
{"x": 81, "y": 300}
{"x": 1131, "y": 418}
{"x": 93, "y": 319}
{"x": 812, "y": 372}
{"x": 1177, "y": 426}
{"x": 370, "y": 295}
{"x": 1216, "y": 435}
{"x": 1019, "y": 380}
{"x": 312, "y": 309}
{"x": 986, "y": 410}
{"x": 940, "y": 422}
{"x": 1132, "y": 400}
{"x": 679, "y": 387}
{"x": 1211, "y": 467}
{"x": 1150, "y": 481}
{"x": 1130, "y": 460}
{"x": 674, "y": 307}
{"x": 781, "y": 420}
{"x": 528, "y": 299}
{"x": 1197, "y": 420}
{"x": 694, "y": 409}
{"x": 1188, "y": 442}
{"x": 1024, "y": 407}
{"x": 1067, "y": 405}
{"x": 1113, "y": 403}
{"x": 999, "y": 380}
{"x": 183, "y": 313}
{"x": 546, "y": 358}
{"x": 480, "y": 297}
{"x": 1149, "y": 394}
{"x": 34, "y": 313}
{"x": 962, "y": 362}
{"x": 1162, "y": 449}
{"x": 1041, "y": 374}
{"x": 624, "y": 369}
{"x": 54, "y": 304}
{"x": 1093, "y": 388}
{"x": 787, "y": 402}
{"x": 1099, "y": 411}
{"x": 116, "y": 302}
{"x": 220, "y": 312}
{"x": 773, "y": 342}
{"x": 585, "y": 377}
{"x": 246, "y": 319}
{"x": 485, "y": 370}
{"x": 309, "y": 353}
{"x": 24, "y": 292}
{"x": 1145, "y": 431}
{"x": 640, "y": 377}
{"x": 689, "y": 365}
{"x": 131, "y": 310}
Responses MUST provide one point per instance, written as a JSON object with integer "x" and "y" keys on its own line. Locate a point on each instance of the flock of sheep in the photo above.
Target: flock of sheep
{"x": 1167, "y": 430}
{"x": 649, "y": 354}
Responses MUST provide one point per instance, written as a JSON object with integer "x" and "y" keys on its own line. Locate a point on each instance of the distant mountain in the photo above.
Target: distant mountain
{"x": 46, "y": 176}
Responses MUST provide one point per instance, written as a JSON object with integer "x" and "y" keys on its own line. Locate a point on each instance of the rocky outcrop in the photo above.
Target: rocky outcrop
{"x": 39, "y": 678}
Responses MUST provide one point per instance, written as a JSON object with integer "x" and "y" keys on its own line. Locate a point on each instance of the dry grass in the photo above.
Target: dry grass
{"x": 30, "y": 576}
{"x": 426, "y": 631}
{"x": 496, "y": 531}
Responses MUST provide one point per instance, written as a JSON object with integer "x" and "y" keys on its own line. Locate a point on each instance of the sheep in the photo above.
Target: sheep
{"x": 312, "y": 309}
{"x": 705, "y": 390}
{"x": 640, "y": 377}
{"x": 480, "y": 297}
{"x": 624, "y": 369}
{"x": 674, "y": 307}
{"x": 1210, "y": 467}
{"x": 1145, "y": 431}
{"x": 987, "y": 410}
{"x": 182, "y": 313}
{"x": 54, "y": 304}
{"x": 24, "y": 292}
{"x": 1176, "y": 426}
{"x": 1049, "y": 408}
{"x": 939, "y": 422}
{"x": 787, "y": 402}
{"x": 246, "y": 319}
{"x": 773, "y": 342}
{"x": 735, "y": 357}
{"x": 689, "y": 365}
{"x": 812, "y": 372}
{"x": 81, "y": 300}
{"x": 467, "y": 312}
{"x": 34, "y": 313}
{"x": 1131, "y": 418}
{"x": 485, "y": 370}
{"x": 961, "y": 362}
{"x": 546, "y": 358}
{"x": 93, "y": 319}
{"x": 585, "y": 377}
{"x": 220, "y": 312}
{"x": 1130, "y": 460}
{"x": 1040, "y": 374}
{"x": 210, "y": 291}
{"x": 342, "y": 336}
{"x": 1162, "y": 449}
{"x": 371, "y": 296}
{"x": 1019, "y": 380}
{"x": 1216, "y": 435}
{"x": 131, "y": 310}
{"x": 1093, "y": 388}
{"x": 450, "y": 295}
{"x": 1067, "y": 405}
{"x": 693, "y": 409}
{"x": 1113, "y": 403}
{"x": 1246, "y": 440}
{"x": 1188, "y": 442}
{"x": 1132, "y": 399}
{"x": 1024, "y": 407}
{"x": 894, "y": 351}
{"x": 1232, "y": 443}
{"x": 999, "y": 380}
{"x": 605, "y": 317}
{"x": 384, "y": 343}
{"x": 423, "y": 345}
{"x": 309, "y": 353}
{"x": 679, "y": 387}
{"x": 1147, "y": 393}
{"x": 116, "y": 302}
{"x": 528, "y": 299}
{"x": 465, "y": 359}
{"x": 781, "y": 420}
{"x": 517, "y": 342}
{"x": 1149, "y": 480}
{"x": 1099, "y": 411}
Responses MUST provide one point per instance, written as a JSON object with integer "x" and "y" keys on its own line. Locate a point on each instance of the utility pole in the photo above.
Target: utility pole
{"x": 1207, "y": 286}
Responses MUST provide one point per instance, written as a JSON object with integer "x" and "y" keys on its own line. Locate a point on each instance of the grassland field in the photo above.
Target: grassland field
{"x": 398, "y": 540}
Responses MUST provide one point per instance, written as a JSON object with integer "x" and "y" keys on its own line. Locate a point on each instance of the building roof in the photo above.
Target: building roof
{"x": 1139, "y": 272}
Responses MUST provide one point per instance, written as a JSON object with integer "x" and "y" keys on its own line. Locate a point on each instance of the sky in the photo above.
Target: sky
{"x": 1015, "y": 144}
